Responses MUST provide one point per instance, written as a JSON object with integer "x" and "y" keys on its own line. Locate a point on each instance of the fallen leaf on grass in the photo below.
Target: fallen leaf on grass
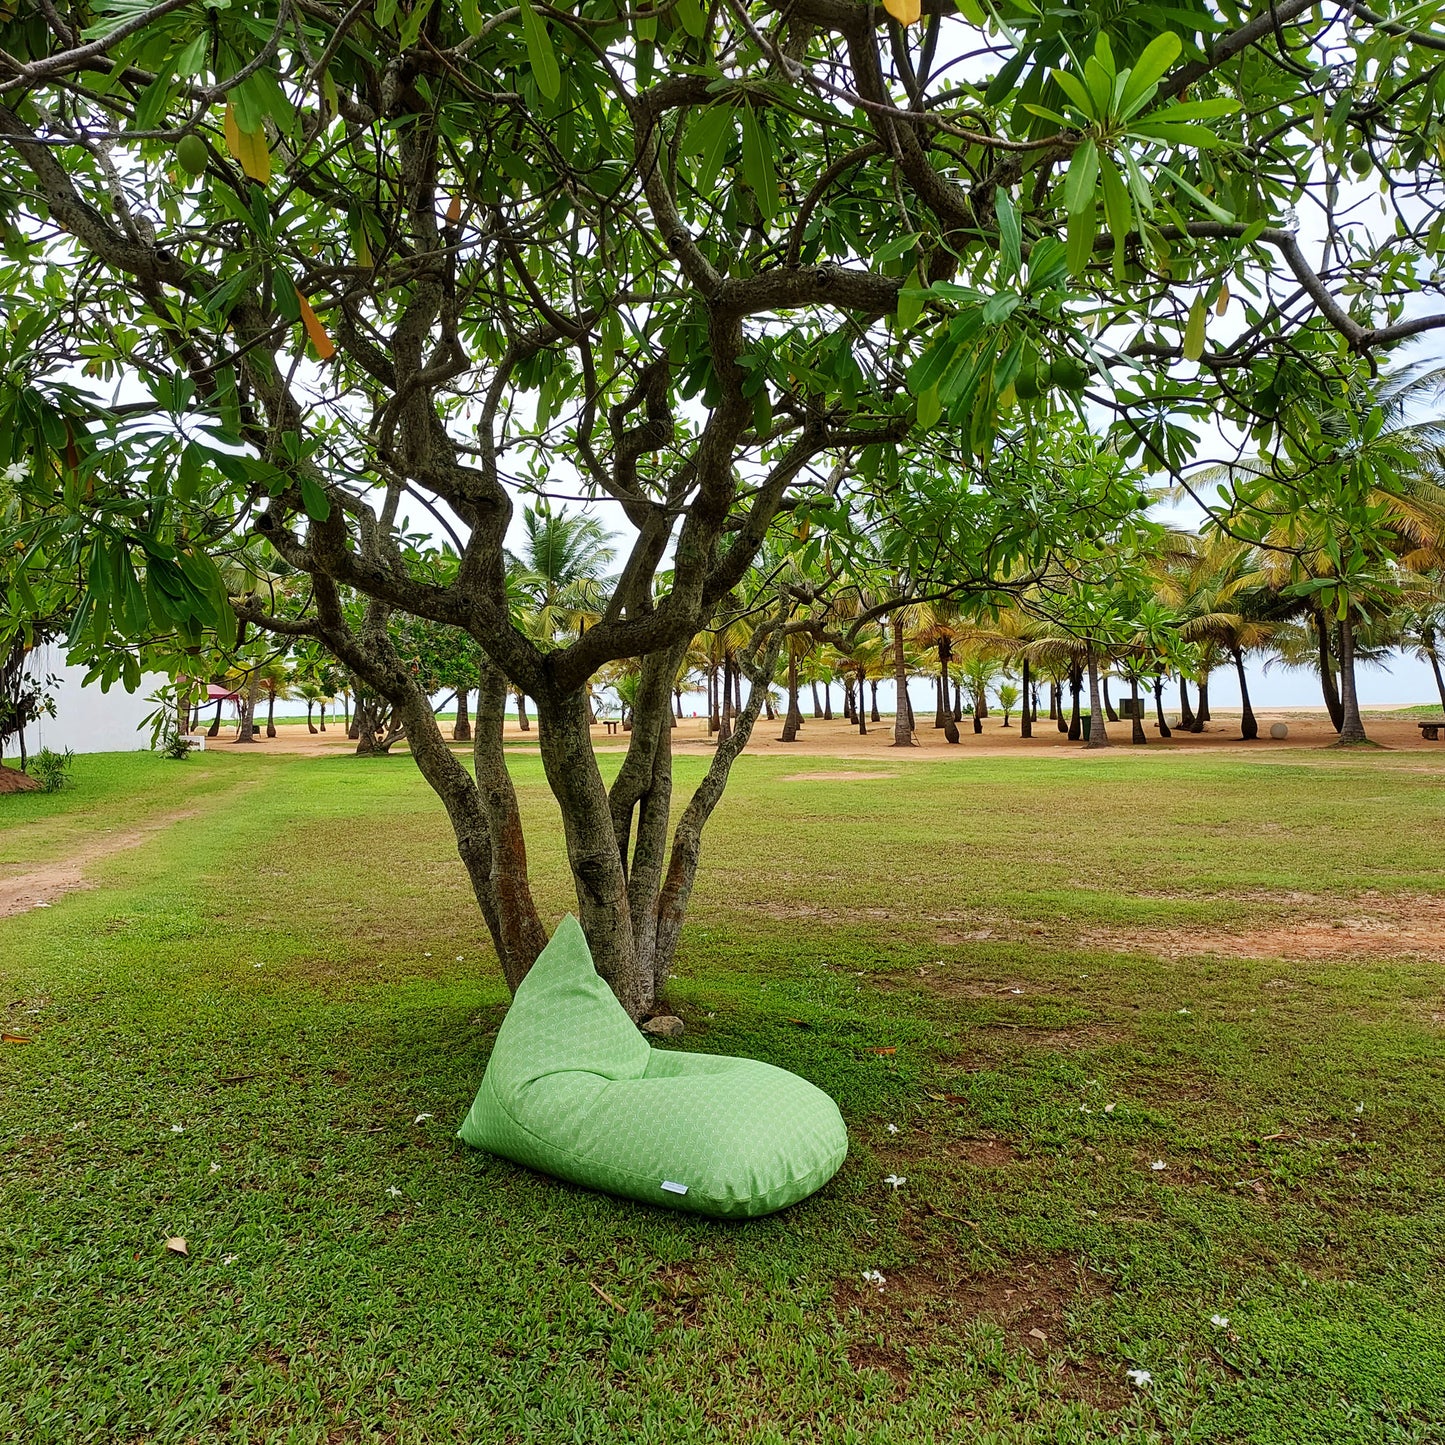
{"x": 1038, "y": 1335}
{"x": 881, "y": 1052}
{"x": 15, "y": 1039}
{"x": 177, "y": 1245}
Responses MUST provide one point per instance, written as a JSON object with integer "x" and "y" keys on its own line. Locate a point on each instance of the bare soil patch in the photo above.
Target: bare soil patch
{"x": 12, "y": 780}
{"x": 1028, "y": 1303}
{"x": 985, "y": 1153}
{"x": 39, "y": 887}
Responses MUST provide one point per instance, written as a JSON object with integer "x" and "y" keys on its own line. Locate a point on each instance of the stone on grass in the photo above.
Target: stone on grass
{"x": 664, "y": 1026}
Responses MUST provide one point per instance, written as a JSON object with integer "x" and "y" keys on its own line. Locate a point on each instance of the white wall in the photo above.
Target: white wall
{"x": 86, "y": 719}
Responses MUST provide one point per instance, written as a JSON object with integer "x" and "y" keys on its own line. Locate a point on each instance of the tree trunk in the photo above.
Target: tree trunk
{"x": 848, "y": 699}
{"x": 940, "y": 691}
{"x": 1186, "y": 713}
{"x": 1327, "y": 676}
{"x": 215, "y": 728}
{"x": 1430, "y": 652}
{"x": 957, "y": 701}
{"x": 828, "y": 702}
{"x": 725, "y": 717}
{"x": 365, "y": 719}
{"x": 1201, "y": 713}
{"x": 769, "y": 711}
{"x": 1076, "y": 686}
{"x": 862, "y": 719}
{"x": 714, "y": 721}
{"x": 247, "y": 733}
{"x": 950, "y": 724}
{"x": 1248, "y": 727}
{"x": 1026, "y": 717}
{"x": 873, "y": 714}
{"x": 462, "y": 727}
{"x": 1159, "y": 706}
{"x": 902, "y": 710}
{"x": 1109, "y": 711}
{"x": 1352, "y": 728}
{"x": 271, "y": 713}
{"x": 1053, "y": 702}
{"x": 1098, "y": 725}
{"x": 310, "y": 711}
{"x": 677, "y": 709}
{"x": 524, "y": 722}
{"x": 1138, "y": 736}
{"x": 794, "y": 718}
{"x": 322, "y": 706}
{"x": 817, "y": 701}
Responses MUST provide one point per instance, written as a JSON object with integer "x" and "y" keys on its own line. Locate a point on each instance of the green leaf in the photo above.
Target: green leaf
{"x": 1083, "y": 227}
{"x": 910, "y": 301}
{"x": 693, "y": 20}
{"x": 1082, "y": 174}
{"x": 1149, "y": 70}
{"x": 758, "y": 169}
{"x": 472, "y": 17}
{"x": 315, "y": 500}
{"x": 1194, "y": 331}
{"x": 1010, "y": 234}
{"x": 540, "y": 55}
{"x": 1075, "y": 89}
{"x": 709, "y": 136}
{"x": 929, "y": 407}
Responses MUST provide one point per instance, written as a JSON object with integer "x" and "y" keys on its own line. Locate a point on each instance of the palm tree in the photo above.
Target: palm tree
{"x": 940, "y": 626}
{"x": 1008, "y": 696}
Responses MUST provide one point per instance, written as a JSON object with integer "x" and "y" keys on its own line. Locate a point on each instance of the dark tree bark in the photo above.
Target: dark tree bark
{"x": 827, "y": 702}
{"x": 310, "y": 710}
{"x": 1428, "y": 647}
{"x": 873, "y": 714}
{"x": 322, "y": 706}
{"x": 902, "y": 708}
{"x": 817, "y": 701}
{"x": 1159, "y": 706}
{"x": 215, "y": 727}
{"x": 462, "y": 727}
{"x": 1201, "y": 713}
{"x": 1098, "y": 725}
{"x": 1248, "y": 727}
{"x": 1109, "y": 711}
{"x": 250, "y": 698}
{"x": 1186, "y": 713}
{"x": 271, "y": 713}
{"x": 1053, "y": 702}
{"x": 861, "y": 719}
{"x": 1076, "y": 686}
{"x": 794, "y": 717}
{"x": 1328, "y": 685}
{"x": 1026, "y": 716}
{"x": 1352, "y": 728}
{"x": 1138, "y": 735}
{"x": 950, "y": 723}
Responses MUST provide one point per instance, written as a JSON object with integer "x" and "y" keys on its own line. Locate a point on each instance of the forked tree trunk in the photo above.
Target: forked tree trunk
{"x": 1186, "y": 713}
{"x": 462, "y": 727}
{"x": 1328, "y": 686}
{"x": 793, "y": 719}
{"x": 1026, "y": 716}
{"x": 1139, "y": 736}
{"x": 1248, "y": 727}
{"x": 1159, "y": 706}
{"x": 247, "y": 733}
{"x": 1352, "y": 728}
{"x": 1098, "y": 726}
{"x": 902, "y": 711}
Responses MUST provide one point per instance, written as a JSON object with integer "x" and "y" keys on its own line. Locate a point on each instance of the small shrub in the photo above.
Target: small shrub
{"x": 174, "y": 746}
{"x": 51, "y": 769}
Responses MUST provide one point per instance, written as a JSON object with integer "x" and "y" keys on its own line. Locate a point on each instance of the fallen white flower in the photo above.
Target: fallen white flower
{"x": 178, "y": 1128}
{"x": 420, "y": 1117}
{"x": 459, "y": 958}
{"x": 1183, "y": 1010}
{"x": 258, "y": 965}
{"x": 392, "y": 1190}
{"x": 1084, "y": 1109}
{"x": 872, "y": 1276}
{"x": 215, "y": 1169}
{"x": 1360, "y": 1107}
{"x": 426, "y": 955}
{"x": 892, "y": 1128}
{"x": 1015, "y": 990}
{"x": 1139, "y": 1377}
{"x": 1108, "y": 1108}
{"x": 230, "y": 1259}
{"x": 896, "y": 1180}
{"x": 1158, "y": 1164}
{"x": 1220, "y": 1322}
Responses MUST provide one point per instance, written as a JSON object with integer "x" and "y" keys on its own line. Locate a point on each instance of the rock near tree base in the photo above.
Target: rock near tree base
{"x": 664, "y": 1026}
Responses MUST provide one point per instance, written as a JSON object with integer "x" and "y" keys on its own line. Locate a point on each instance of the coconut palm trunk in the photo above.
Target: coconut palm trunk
{"x": 1026, "y": 714}
{"x": 1328, "y": 686}
{"x": 523, "y": 721}
{"x": 1138, "y": 736}
{"x": 215, "y": 728}
{"x": 247, "y": 734}
{"x": 1186, "y": 713}
{"x": 1075, "y": 728}
{"x": 902, "y": 711}
{"x": 873, "y": 714}
{"x": 271, "y": 713}
{"x": 1352, "y": 728}
{"x": 310, "y": 713}
{"x": 322, "y": 706}
{"x": 1109, "y": 709}
{"x": 860, "y": 718}
{"x": 817, "y": 701}
{"x": 950, "y": 723}
{"x": 1201, "y": 713}
{"x": 1159, "y": 706}
{"x": 828, "y": 702}
{"x": 794, "y": 718}
{"x": 462, "y": 727}
{"x": 1248, "y": 727}
{"x": 1431, "y": 652}
{"x": 1098, "y": 726}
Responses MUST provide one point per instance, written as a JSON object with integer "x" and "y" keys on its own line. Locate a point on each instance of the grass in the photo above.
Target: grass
{"x": 294, "y": 973}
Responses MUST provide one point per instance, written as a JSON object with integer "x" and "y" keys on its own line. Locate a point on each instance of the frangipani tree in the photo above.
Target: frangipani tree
{"x": 354, "y": 265}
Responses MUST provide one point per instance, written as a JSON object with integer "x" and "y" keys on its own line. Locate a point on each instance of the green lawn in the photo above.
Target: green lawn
{"x": 292, "y": 973}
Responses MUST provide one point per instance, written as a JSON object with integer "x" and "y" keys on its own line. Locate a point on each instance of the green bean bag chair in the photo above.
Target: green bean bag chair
{"x": 573, "y": 1089}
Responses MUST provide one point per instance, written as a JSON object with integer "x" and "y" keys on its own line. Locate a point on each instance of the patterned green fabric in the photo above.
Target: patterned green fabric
{"x": 573, "y": 1089}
